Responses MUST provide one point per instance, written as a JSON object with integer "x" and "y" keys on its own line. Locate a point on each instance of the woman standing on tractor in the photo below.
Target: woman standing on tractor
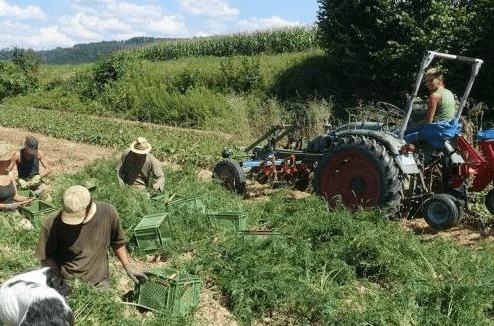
{"x": 441, "y": 103}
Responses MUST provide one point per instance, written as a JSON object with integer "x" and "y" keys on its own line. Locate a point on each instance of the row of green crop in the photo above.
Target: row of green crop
{"x": 180, "y": 145}
{"x": 277, "y": 41}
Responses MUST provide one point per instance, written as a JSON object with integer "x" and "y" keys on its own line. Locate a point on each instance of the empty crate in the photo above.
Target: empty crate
{"x": 193, "y": 205}
{"x": 169, "y": 291}
{"x": 153, "y": 232}
{"x": 234, "y": 221}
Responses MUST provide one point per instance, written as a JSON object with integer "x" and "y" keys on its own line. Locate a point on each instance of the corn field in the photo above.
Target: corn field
{"x": 273, "y": 42}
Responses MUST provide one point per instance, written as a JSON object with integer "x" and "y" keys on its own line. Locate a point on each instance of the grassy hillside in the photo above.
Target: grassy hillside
{"x": 228, "y": 94}
{"x": 197, "y": 88}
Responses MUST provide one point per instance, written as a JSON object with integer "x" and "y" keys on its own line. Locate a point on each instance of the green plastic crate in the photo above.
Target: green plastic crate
{"x": 192, "y": 205}
{"x": 188, "y": 212}
{"x": 234, "y": 221}
{"x": 36, "y": 210}
{"x": 169, "y": 291}
{"x": 153, "y": 232}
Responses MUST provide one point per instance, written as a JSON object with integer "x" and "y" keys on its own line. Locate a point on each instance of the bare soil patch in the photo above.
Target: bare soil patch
{"x": 63, "y": 156}
{"x": 463, "y": 233}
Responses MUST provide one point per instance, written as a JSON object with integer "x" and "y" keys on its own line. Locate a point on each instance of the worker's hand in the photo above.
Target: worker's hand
{"x": 135, "y": 276}
{"x": 11, "y": 207}
{"x": 26, "y": 202}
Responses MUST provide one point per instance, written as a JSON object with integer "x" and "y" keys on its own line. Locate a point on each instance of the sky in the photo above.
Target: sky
{"x": 48, "y": 24}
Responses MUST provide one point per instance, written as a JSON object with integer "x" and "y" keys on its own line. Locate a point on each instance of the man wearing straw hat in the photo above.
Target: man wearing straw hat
{"x": 75, "y": 240}
{"x": 137, "y": 164}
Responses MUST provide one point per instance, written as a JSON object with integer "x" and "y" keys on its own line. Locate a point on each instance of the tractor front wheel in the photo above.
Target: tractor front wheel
{"x": 440, "y": 211}
{"x": 230, "y": 174}
{"x": 360, "y": 171}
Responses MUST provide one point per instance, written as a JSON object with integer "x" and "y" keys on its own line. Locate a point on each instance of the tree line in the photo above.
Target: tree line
{"x": 80, "y": 53}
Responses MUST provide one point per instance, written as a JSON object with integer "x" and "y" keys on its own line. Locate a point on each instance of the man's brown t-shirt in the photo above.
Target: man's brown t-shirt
{"x": 81, "y": 251}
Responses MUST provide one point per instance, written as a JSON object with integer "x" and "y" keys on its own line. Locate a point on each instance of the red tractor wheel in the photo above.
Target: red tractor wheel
{"x": 360, "y": 171}
{"x": 230, "y": 174}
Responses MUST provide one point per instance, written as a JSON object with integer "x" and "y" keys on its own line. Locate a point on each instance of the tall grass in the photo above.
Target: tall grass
{"x": 224, "y": 94}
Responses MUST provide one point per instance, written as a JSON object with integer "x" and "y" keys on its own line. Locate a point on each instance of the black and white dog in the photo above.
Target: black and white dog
{"x": 35, "y": 299}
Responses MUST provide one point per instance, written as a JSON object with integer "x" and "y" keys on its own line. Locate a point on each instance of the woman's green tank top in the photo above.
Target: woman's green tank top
{"x": 447, "y": 108}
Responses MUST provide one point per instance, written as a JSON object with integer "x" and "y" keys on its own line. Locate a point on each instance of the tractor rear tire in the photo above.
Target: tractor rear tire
{"x": 359, "y": 171}
{"x": 440, "y": 211}
{"x": 230, "y": 174}
{"x": 489, "y": 201}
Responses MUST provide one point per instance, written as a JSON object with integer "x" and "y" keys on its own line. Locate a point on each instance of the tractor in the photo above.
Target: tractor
{"x": 380, "y": 163}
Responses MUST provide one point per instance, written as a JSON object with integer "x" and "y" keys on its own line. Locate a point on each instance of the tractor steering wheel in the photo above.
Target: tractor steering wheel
{"x": 393, "y": 110}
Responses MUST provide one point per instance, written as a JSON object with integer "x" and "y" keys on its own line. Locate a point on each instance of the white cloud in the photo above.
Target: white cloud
{"x": 264, "y": 23}
{"x": 27, "y": 36}
{"x": 108, "y": 20}
{"x": 8, "y": 25}
{"x": 129, "y": 10}
{"x": 171, "y": 25}
{"x": 91, "y": 22}
{"x": 48, "y": 37}
{"x": 28, "y": 12}
{"x": 209, "y": 9}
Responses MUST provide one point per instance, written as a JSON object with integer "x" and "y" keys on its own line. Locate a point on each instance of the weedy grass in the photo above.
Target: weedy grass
{"x": 337, "y": 268}
{"x": 319, "y": 267}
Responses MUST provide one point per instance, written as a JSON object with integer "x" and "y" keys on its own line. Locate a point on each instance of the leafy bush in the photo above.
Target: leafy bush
{"x": 18, "y": 76}
{"x": 108, "y": 68}
{"x": 187, "y": 80}
{"x": 243, "y": 77}
{"x": 375, "y": 46}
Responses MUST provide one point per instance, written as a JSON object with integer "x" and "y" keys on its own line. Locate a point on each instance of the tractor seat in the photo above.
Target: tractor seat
{"x": 434, "y": 134}
{"x": 485, "y": 134}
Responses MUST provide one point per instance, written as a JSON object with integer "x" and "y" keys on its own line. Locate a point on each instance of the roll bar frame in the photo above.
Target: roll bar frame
{"x": 426, "y": 61}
